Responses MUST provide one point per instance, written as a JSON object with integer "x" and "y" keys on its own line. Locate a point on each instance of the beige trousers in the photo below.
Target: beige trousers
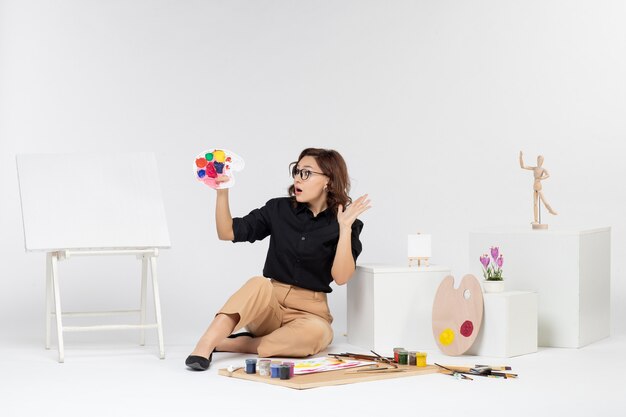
{"x": 290, "y": 321}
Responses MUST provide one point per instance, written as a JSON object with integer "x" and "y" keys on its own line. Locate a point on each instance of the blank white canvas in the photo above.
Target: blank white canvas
{"x": 79, "y": 201}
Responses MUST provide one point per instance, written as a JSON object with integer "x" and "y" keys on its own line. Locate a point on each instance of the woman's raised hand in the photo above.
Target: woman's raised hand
{"x": 346, "y": 216}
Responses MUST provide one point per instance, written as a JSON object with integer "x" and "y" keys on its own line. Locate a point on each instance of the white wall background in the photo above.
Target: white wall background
{"x": 429, "y": 102}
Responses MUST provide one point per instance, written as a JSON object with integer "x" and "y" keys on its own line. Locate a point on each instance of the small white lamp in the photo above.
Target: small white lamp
{"x": 419, "y": 249}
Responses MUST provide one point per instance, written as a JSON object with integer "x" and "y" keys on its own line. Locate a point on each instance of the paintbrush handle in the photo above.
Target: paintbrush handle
{"x": 459, "y": 368}
{"x": 504, "y": 374}
{"x": 495, "y": 367}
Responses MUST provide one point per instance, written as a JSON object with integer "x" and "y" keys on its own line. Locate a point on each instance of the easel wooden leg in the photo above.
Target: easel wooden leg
{"x": 419, "y": 261}
{"x": 57, "y": 303}
{"x": 157, "y": 305}
{"x": 148, "y": 262}
{"x": 144, "y": 290}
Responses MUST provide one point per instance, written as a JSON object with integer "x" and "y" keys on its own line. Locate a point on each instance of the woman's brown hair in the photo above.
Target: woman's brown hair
{"x": 334, "y": 167}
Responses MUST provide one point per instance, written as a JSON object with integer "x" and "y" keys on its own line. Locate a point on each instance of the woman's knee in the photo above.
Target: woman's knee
{"x": 255, "y": 293}
{"x": 258, "y": 283}
{"x": 259, "y": 292}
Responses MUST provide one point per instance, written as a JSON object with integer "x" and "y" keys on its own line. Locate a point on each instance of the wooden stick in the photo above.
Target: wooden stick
{"x": 379, "y": 370}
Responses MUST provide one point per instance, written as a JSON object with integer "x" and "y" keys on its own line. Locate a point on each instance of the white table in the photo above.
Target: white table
{"x": 391, "y": 306}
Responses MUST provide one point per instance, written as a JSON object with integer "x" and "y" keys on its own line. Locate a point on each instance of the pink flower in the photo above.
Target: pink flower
{"x": 492, "y": 265}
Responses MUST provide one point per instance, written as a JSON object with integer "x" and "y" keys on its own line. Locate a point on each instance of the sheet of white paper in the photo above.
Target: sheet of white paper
{"x": 314, "y": 365}
{"x": 80, "y": 201}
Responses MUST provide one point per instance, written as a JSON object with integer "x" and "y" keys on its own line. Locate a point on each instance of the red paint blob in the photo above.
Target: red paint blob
{"x": 210, "y": 170}
{"x": 467, "y": 328}
{"x": 201, "y": 162}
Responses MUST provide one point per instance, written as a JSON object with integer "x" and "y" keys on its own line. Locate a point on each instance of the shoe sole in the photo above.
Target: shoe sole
{"x": 196, "y": 366}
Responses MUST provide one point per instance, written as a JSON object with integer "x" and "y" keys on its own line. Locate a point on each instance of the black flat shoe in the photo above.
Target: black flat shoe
{"x": 198, "y": 363}
{"x": 236, "y": 335}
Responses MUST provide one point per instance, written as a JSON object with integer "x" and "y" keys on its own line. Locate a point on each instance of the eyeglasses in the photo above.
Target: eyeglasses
{"x": 304, "y": 173}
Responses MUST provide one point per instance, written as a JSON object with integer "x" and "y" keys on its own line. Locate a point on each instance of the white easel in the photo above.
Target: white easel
{"x": 97, "y": 205}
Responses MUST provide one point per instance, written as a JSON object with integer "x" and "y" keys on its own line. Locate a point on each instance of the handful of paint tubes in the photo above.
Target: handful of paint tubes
{"x": 405, "y": 357}
{"x": 285, "y": 369}
{"x": 273, "y": 369}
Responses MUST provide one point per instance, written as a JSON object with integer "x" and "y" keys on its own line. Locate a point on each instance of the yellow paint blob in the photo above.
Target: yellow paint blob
{"x": 219, "y": 156}
{"x": 446, "y": 337}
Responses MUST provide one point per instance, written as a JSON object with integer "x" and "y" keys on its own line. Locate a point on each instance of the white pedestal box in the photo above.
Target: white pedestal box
{"x": 391, "y": 306}
{"x": 569, "y": 270}
{"x": 509, "y": 325}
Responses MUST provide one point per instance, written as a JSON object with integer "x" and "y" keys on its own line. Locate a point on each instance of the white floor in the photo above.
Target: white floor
{"x": 107, "y": 380}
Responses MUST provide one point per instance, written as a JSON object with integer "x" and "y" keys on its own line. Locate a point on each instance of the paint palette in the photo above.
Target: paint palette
{"x": 215, "y": 167}
{"x": 457, "y": 314}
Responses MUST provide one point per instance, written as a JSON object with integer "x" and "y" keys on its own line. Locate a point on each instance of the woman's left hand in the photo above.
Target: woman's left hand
{"x": 347, "y": 216}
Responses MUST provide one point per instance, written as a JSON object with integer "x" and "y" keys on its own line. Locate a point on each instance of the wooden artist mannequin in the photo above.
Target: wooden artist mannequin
{"x": 540, "y": 174}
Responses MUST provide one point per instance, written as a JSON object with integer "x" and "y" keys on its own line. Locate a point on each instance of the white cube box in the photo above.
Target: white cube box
{"x": 391, "y": 306}
{"x": 569, "y": 270}
{"x": 509, "y": 325}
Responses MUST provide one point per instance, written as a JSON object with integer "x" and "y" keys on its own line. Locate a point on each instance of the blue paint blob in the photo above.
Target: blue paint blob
{"x": 201, "y": 173}
{"x": 219, "y": 167}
